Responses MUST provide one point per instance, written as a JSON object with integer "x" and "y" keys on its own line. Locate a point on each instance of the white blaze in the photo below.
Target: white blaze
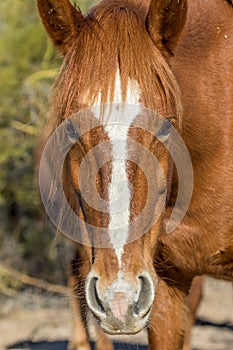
{"x": 117, "y": 120}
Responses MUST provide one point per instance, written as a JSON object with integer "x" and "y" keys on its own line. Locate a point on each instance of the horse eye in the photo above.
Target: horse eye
{"x": 164, "y": 131}
{"x": 71, "y": 132}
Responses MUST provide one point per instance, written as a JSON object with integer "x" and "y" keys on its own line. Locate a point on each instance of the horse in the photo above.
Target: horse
{"x": 164, "y": 66}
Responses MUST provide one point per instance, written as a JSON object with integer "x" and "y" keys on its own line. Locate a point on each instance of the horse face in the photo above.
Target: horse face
{"x": 116, "y": 56}
{"x": 121, "y": 284}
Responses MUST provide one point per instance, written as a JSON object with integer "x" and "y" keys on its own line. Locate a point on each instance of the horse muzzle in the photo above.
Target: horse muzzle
{"x": 124, "y": 307}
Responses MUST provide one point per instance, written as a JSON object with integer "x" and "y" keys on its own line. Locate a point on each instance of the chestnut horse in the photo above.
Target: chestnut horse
{"x": 175, "y": 58}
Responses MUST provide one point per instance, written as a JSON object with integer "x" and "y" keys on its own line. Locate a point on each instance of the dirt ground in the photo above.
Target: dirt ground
{"x": 43, "y": 322}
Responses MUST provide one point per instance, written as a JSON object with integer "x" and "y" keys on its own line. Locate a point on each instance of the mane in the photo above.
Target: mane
{"x": 113, "y": 36}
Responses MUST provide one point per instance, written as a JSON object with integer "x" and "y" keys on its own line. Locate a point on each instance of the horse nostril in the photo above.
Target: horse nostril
{"x": 93, "y": 299}
{"x": 146, "y": 297}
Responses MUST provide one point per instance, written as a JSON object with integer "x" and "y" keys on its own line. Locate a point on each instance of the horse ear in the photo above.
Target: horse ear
{"x": 165, "y": 21}
{"x": 62, "y": 21}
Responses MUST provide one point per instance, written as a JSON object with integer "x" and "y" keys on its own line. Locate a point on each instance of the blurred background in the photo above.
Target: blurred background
{"x": 29, "y": 65}
{"x": 28, "y": 248}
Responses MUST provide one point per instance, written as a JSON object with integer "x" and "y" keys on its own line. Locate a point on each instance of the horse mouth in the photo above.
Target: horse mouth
{"x": 121, "y": 331}
{"x": 116, "y": 327}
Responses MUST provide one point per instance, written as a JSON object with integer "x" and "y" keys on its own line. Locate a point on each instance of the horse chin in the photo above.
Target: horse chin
{"x": 119, "y": 328}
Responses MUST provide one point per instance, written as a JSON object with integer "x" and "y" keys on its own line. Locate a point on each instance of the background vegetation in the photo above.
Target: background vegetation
{"x": 29, "y": 65}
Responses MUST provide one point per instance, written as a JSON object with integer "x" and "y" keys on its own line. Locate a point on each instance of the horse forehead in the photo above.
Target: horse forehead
{"x": 116, "y": 108}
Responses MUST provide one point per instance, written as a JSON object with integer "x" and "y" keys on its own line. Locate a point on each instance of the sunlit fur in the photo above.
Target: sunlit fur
{"x": 100, "y": 48}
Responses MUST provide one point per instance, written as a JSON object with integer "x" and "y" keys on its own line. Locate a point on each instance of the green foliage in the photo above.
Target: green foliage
{"x": 29, "y": 65}
{"x": 85, "y": 4}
